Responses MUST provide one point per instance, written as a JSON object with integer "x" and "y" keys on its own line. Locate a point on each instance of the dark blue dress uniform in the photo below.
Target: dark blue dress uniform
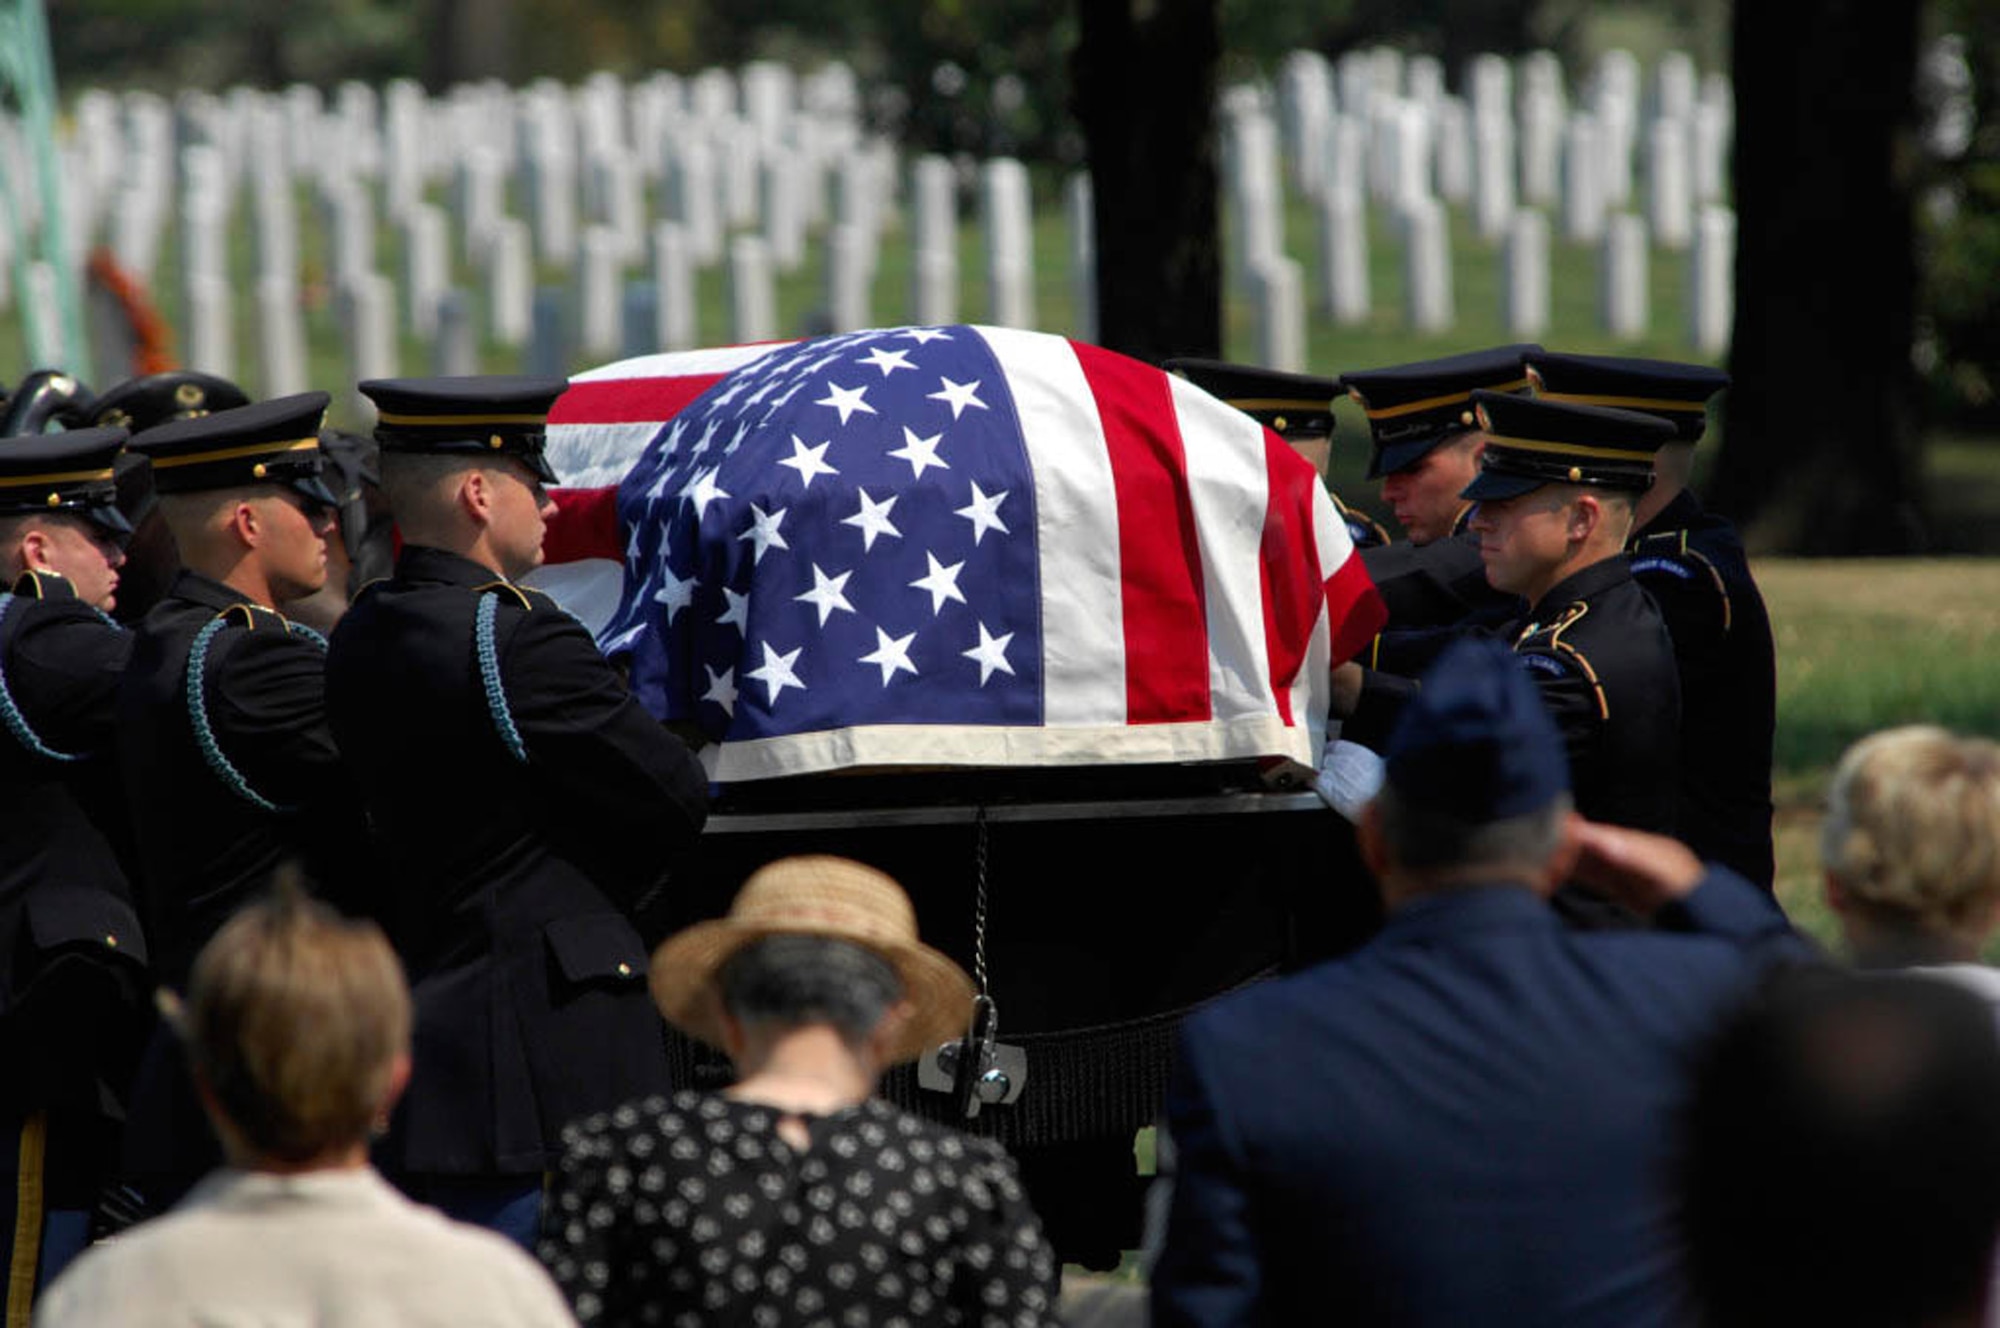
{"x": 1693, "y": 565}
{"x": 73, "y": 988}
{"x": 526, "y": 804}
{"x": 1466, "y": 1121}
{"x": 227, "y": 761}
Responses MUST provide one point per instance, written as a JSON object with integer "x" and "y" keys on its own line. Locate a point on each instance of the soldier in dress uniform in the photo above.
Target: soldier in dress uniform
{"x": 1555, "y": 491}
{"x": 73, "y": 990}
{"x": 228, "y": 764}
{"x": 1692, "y": 563}
{"x": 526, "y": 803}
{"x": 1426, "y": 450}
{"x": 1296, "y": 407}
{"x": 135, "y": 405}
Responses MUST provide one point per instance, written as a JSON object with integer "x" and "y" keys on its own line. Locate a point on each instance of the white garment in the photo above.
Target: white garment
{"x": 329, "y": 1249}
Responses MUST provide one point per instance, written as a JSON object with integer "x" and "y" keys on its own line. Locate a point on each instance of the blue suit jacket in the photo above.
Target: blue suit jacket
{"x": 1469, "y": 1120}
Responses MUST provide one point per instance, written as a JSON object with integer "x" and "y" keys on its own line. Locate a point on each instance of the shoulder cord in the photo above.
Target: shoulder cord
{"x": 487, "y": 647}
{"x": 204, "y": 732}
{"x": 10, "y": 712}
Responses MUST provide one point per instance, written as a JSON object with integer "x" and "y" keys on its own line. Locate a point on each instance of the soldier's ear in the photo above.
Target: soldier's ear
{"x": 475, "y": 495}
{"x": 35, "y": 550}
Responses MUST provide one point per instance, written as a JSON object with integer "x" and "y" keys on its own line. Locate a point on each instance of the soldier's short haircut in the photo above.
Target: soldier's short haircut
{"x": 294, "y": 1018}
{"x": 1912, "y": 831}
{"x": 411, "y": 480}
{"x": 1424, "y": 839}
{"x": 789, "y": 981}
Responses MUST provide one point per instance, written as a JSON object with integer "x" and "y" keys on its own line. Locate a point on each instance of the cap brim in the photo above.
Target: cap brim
{"x": 108, "y": 517}
{"x": 314, "y": 488}
{"x": 1387, "y": 459}
{"x": 539, "y": 463}
{"x": 1490, "y": 486}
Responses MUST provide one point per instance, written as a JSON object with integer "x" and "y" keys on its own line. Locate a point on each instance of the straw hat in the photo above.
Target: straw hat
{"x": 815, "y": 895}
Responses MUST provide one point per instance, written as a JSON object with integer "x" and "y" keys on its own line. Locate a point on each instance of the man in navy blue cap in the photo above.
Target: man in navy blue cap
{"x": 229, "y": 767}
{"x": 1693, "y": 565}
{"x": 526, "y": 804}
{"x": 1427, "y": 446}
{"x": 1464, "y": 1120}
{"x": 73, "y": 989}
{"x": 1555, "y": 494}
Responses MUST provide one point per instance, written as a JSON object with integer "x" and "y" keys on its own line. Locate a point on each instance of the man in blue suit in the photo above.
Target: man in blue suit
{"x": 1470, "y": 1119}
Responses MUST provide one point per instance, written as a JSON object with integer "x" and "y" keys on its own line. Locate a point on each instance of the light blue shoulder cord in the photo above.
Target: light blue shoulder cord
{"x": 204, "y": 732}
{"x": 10, "y": 713}
{"x": 488, "y": 649}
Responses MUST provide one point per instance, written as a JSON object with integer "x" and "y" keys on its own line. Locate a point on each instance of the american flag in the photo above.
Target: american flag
{"x": 953, "y": 546}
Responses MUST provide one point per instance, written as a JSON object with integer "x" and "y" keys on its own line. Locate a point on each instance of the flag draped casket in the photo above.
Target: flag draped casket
{"x": 958, "y": 546}
{"x": 1007, "y": 552}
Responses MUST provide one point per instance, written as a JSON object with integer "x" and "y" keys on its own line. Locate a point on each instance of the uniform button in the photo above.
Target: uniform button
{"x": 624, "y": 970}
{"x": 111, "y": 941}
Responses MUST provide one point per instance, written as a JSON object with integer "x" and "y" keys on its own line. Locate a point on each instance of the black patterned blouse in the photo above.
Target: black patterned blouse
{"x": 693, "y": 1211}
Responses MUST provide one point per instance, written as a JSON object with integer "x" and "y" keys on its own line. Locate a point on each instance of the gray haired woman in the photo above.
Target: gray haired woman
{"x": 796, "y": 1197}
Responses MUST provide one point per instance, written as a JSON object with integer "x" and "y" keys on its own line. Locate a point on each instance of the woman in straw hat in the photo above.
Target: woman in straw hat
{"x": 797, "y": 1197}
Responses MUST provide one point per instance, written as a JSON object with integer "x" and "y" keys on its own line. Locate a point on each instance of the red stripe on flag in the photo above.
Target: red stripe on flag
{"x": 629, "y": 400}
{"x": 584, "y": 525}
{"x": 1159, "y": 556}
{"x": 1289, "y": 563}
{"x": 1354, "y": 609}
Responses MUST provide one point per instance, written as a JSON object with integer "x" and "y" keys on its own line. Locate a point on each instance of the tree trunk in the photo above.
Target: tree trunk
{"x": 1821, "y": 453}
{"x": 1144, "y": 73}
{"x": 466, "y": 40}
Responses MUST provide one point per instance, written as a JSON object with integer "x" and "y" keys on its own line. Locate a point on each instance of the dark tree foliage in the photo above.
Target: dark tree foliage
{"x": 1822, "y": 452}
{"x": 1145, "y": 82}
{"x": 1960, "y": 237}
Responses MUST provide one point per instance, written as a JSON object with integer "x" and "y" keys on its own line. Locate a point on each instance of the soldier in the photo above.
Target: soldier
{"x": 228, "y": 764}
{"x": 135, "y": 405}
{"x": 1426, "y": 450}
{"x": 73, "y": 1008}
{"x": 526, "y": 803}
{"x": 1693, "y": 565}
{"x": 1555, "y": 494}
{"x": 1296, "y": 407}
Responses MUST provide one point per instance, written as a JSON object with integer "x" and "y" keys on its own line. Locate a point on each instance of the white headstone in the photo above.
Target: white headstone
{"x": 1453, "y": 126}
{"x": 770, "y": 96}
{"x": 38, "y": 313}
{"x": 1305, "y": 112}
{"x": 455, "y": 353}
{"x": 753, "y": 306}
{"x": 741, "y": 156}
{"x": 1278, "y": 298}
{"x": 1079, "y": 210}
{"x": 783, "y": 210}
{"x": 1712, "y": 277}
{"x": 366, "y": 310}
{"x": 1524, "y": 286}
{"x": 1410, "y": 155}
{"x": 1250, "y": 173}
{"x": 1347, "y": 158}
{"x": 549, "y": 174}
{"x": 404, "y": 147}
{"x": 1493, "y": 195}
{"x": 1343, "y": 257}
{"x": 600, "y": 287}
{"x": 510, "y": 283}
{"x": 1583, "y": 203}
{"x": 673, "y": 287}
{"x": 426, "y": 267}
{"x": 1669, "y": 188}
{"x": 1354, "y": 80}
{"x": 1425, "y": 76}
{"x": 360, "y": 132}
{"x": 1625, "y": 282}
{"x": 281, "y": 339}
{"x": 211, "y": 342}
{"x": 1007, "y": 220}
{"x": 1674, "y": 86}
{"x": 712, "y": 95}
{"x": 351, "y": 214}
{"x": 1427, "y": 267}
{"x": 1709, "y": 145}
{"x": 1541, "y": 127}
{"x": 694, "y": 198}
{"x": 639, "y": 318}
{"x": 1491, "y": 87}
{"x": 477, "y": 197}
{"x": 1615, "y": 102}
{"x": 934, "y": 205}
{"x": 850, "y": 277}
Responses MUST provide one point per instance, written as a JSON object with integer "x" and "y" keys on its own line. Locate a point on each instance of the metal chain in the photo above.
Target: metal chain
{"x": 979, "y": 902}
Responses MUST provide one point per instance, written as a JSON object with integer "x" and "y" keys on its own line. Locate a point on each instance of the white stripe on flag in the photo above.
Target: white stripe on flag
{"x": 1076, "y": 529}
{"x": 596, "y": 456}
{"x": 1229, "y": 486}
{"x": 682, "y": 363}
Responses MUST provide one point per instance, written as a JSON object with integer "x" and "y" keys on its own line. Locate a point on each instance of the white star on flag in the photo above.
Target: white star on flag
{"x": 920, "y": 452}
{"x": 888, "y": 361}
{"x": 984, "y": 513}
{"x": 701, "y": 490}
{"x": 872, "y": 519}
{"x": 737, "y": 613}
{"x": 891, "y": 655}
{"x": 827, "y": 594}
{"x": 707, "y": 437}
{"x": 808, "y": 461}
{"x": 956, "y": 395}
{"x": 990, "y": 653}
{"x": 776, "y": 672}
{"x": 721, "y": 689}
{"x": 941, "y": 581}
{"x": 846, "y": 400}
{"x": 674, "y": 592}
{"x": 763, "y": 532}
{"x": 924, "y": 336}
